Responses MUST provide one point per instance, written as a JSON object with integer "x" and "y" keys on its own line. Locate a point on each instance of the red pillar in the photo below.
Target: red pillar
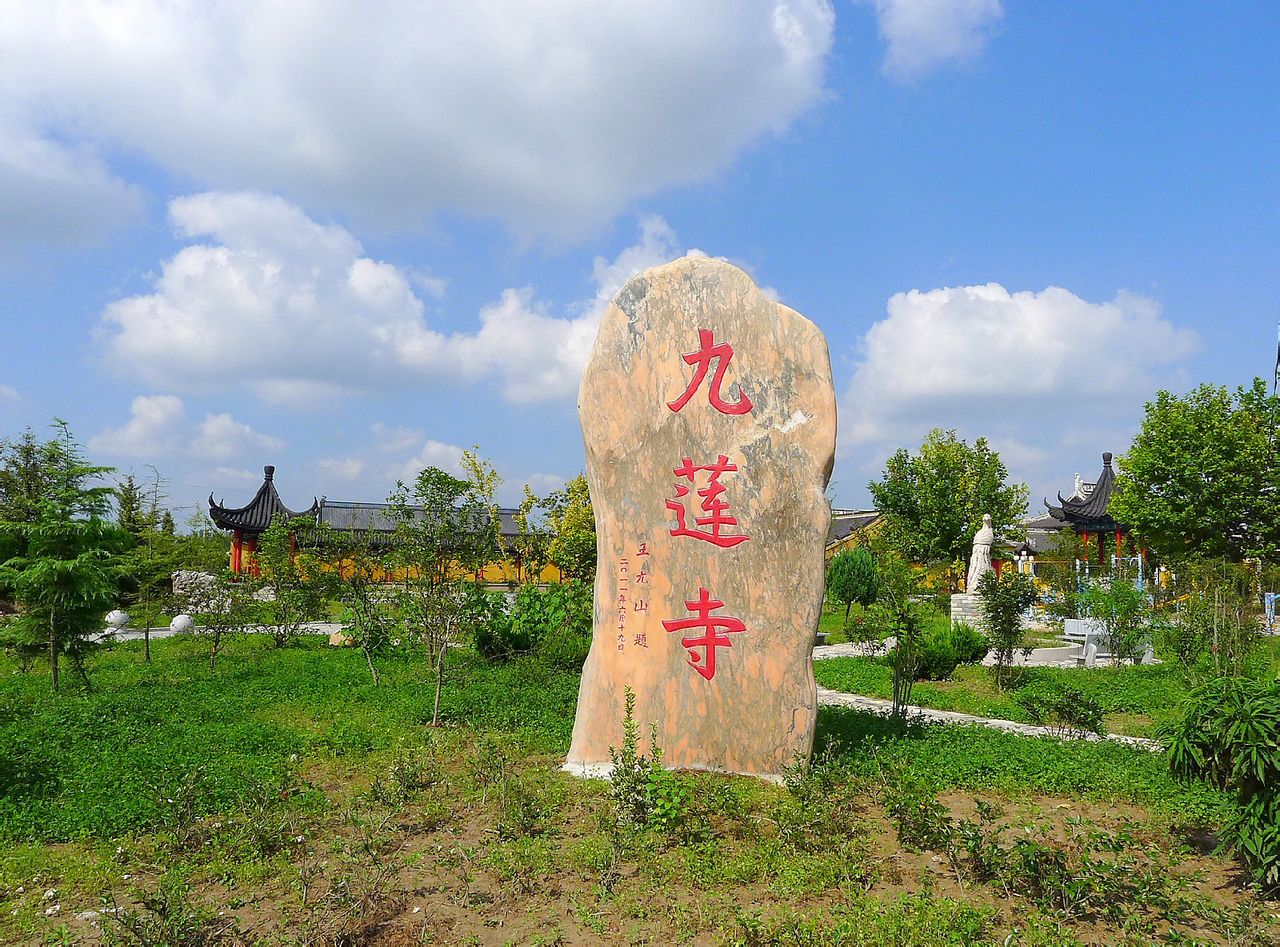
{"x": 237, "y": 541}
{"x": 1119, "y": 544}
{"x": 251, "y": 547}
{"x": 998, "y": 565}
{"x": 1084, "y": 539}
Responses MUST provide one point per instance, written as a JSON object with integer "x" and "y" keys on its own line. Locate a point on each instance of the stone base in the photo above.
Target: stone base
{"x": 965, "y": 607}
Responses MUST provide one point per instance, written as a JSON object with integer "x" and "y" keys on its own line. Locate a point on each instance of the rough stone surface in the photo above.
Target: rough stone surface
{"x": 748, "y": 703}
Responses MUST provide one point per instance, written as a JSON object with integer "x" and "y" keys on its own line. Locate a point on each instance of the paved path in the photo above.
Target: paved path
{"x": 875, "y": 705}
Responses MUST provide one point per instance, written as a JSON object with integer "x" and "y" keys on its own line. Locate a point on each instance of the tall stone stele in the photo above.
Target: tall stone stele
{"x": 709, "y": 419}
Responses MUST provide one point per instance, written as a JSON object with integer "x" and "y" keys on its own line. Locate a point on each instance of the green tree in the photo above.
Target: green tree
{"x": 1124, "y": 612}
{"x": 296, "y": 588}
{"x": 366, "y": 612}
{"x": 1201, "y": 477}
{"x": 446, "y": 532}
{"x": 149, "y": 566}
{"x": 572, "y": 523}
{"x": 1002, "y": 601}
{"x": 852, "y": 577}
{"x": 65, "y": 563}
{"x": 898, "y": 612}
{"x": 932, "y": 502}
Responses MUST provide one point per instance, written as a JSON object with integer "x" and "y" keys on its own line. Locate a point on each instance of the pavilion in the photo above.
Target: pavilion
{"x": 1086, "y": 512}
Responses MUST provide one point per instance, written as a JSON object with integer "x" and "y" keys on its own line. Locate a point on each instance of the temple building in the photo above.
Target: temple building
{"x": 372, "y": 521}
{"x": 1085, "y": 512}
{"x": 247, "y": 523}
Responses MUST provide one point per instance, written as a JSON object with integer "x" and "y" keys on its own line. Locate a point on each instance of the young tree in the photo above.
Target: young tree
{"x": 446, "y": 532}
{"x": 898, "y": 612}
{"x": 1002, "y": 601}
{"x": 1201, "y": 477}
{"x": 363, "y": 594}
{"x": 932, "y": 503}
{"x": 221, "y": 606}
{"x": 296, "y": 587}
{"x": 1123, "y": 610}
{"x": 64, "y": 555}
{"x": 852, "y": 577}
{"x": 573, "y": 530}
{"x": 155, "y": 555}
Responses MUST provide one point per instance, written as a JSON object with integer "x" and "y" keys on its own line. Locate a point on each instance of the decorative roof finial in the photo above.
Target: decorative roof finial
{"x": 269, "y": 471}
{"x": 1106, "y": 458}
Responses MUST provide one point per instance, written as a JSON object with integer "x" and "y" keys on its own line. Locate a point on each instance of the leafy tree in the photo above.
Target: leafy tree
{"x": 898, "y": 612}
{"x": 155, "y": 555}
{"x": 852, "y": 577}
{"x": 29, "y": 469}
{"x": 1230, "y": 737}
{"x": 1002, "y": 601}
{"x": 1124, "y": 612}
{"x": 296, "y": 587}
{"x": 932, "y": 502}
{"x": 1201, "y": 476}
{"x": 446, "y": 531}
{"x": 361, "y": 590}
{"x": 573, "y": 530}
{"x": 64, "y": 554}
{"x": 221, "y": 606}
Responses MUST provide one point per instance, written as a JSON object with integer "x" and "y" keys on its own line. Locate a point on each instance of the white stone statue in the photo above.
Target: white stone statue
{"x": 980, "y": 559}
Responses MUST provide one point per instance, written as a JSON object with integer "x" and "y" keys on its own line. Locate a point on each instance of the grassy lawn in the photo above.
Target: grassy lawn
{"x": 1137, "y": 701}
{"x": 307, "y": 805}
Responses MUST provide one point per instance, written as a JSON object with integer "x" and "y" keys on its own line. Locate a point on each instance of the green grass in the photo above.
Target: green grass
{"x": 1136, "y": 701}
{"x": 245, "y": 781}
{"x": 80, "y": 765}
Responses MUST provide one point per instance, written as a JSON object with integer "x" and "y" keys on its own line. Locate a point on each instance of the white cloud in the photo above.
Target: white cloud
{"x": 446, "y": 457}
{"x": 55, "y": 193}
{"x": 1040, "y": 374}
{"x": 9, "y": 395}
{"x": 551, "y": 116}
{"x": 342, "y": 468}
{"x": 222, "y": 437}
{"x": 293, "y": 309}
{"x": 923, "y": 34}
{"x": 158, "y": 427}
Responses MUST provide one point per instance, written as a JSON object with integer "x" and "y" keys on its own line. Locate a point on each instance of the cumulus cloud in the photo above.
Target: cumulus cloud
{"x": 293, "y": 309}
{"x": 158, "y": 426}
{"x": 57, "y": 194}
{"x": 1038, "y": 373}
{"x": 921, "y": 35}
{"x": 550, "y": 116}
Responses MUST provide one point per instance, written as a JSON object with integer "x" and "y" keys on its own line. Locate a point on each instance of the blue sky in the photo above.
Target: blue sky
{"x": 294, "y": 233}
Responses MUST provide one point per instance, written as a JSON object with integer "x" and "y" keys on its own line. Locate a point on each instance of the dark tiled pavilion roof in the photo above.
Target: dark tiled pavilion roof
{"x": 1089, "y": 514}
{"x": 252, "y": 520}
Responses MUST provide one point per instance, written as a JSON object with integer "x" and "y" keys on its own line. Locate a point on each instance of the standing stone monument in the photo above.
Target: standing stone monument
{"x": 965, "y": 605}
{"x": 708, "y": 414}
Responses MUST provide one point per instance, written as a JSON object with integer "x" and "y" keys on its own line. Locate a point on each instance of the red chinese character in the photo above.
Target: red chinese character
{"x": 712, "y": 505}
{"x": 643, "y": 550}
{"x": 642, "y": 578}
{"x": 642, "y": 605}
{"x": 642, "y": 641}
{"x": 712, "y": 638}
{"x": 722, "y": 353}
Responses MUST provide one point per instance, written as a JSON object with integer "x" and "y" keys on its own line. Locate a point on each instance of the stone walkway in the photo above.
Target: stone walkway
{"x": 830, "y": 698}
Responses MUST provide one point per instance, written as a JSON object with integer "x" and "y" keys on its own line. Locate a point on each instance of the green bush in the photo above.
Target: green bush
{"x": 936, "y": 658}
{"x": 1060, "y": 707}
{"x": 551, "y": 622}
{"x": 971, "y": 645}
{"x": 1230, "y": 737}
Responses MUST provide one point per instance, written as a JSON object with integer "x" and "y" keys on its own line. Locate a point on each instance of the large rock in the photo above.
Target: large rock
{"x": 709, "y": 419}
